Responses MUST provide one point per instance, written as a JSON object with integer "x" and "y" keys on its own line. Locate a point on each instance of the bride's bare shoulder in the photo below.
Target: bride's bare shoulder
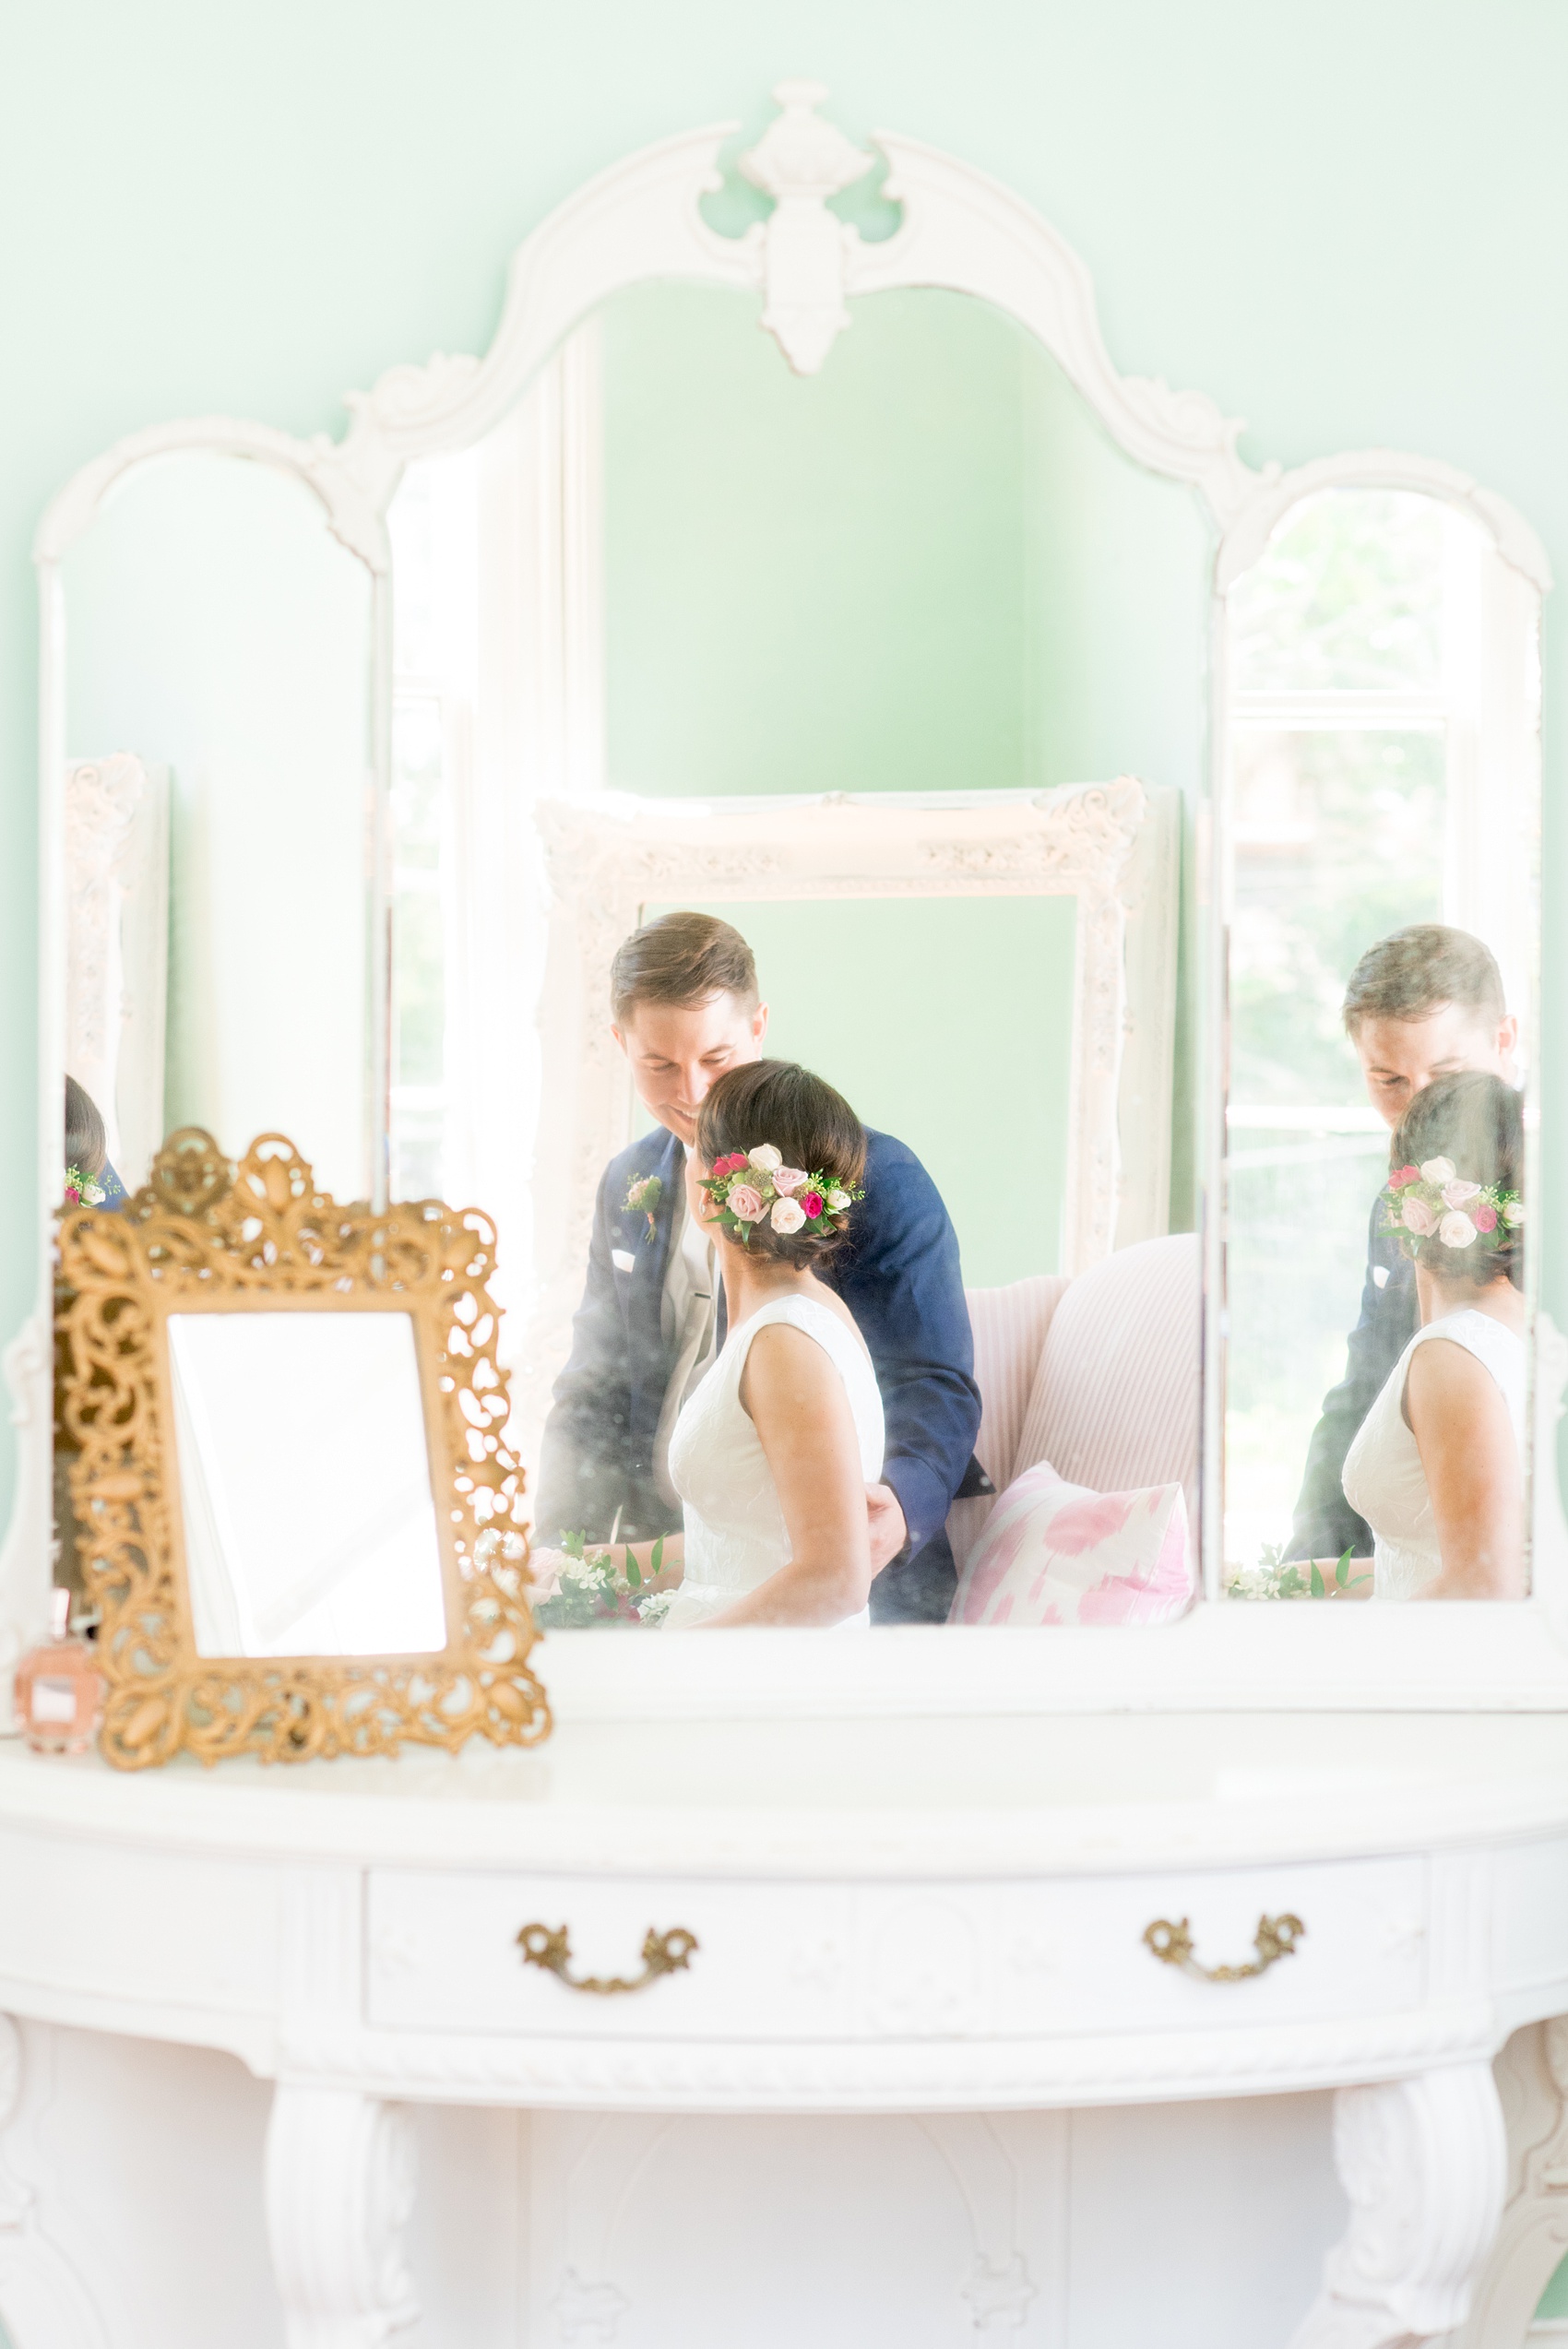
{"x": 1449, "y": 1386}
{"x": 788, "y": 1368}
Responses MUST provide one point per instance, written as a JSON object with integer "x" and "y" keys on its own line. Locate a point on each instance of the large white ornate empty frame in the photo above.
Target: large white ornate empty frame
{"x": 959, "y": 229}
{"x": 1113, "y": 847}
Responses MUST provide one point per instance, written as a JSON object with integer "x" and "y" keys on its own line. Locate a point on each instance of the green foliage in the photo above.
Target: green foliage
{"x": 592, "y": 1595}
{"x": 1348, "y": 598}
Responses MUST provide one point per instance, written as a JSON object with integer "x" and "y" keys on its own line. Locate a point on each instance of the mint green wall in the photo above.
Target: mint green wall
{"x": 1346, "y": 223}
{"x": 816, "y": 583}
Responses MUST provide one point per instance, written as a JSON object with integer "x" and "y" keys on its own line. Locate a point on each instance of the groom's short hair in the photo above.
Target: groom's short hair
{"x": 681, "y": 958}
{"x": 1415, "y": 972}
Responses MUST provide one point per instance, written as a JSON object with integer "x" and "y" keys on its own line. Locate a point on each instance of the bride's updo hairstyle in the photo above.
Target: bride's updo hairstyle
{"x": 1477, "y": 1121}
{"x": 813, "y": 1127}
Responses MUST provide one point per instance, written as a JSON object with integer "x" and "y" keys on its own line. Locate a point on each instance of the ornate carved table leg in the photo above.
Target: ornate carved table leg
{"x": 1423, "y": 2164}
{"x": 339, "y": 2189}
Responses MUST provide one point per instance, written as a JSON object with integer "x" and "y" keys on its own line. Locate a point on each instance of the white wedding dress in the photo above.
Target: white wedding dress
{"x": 1383, "y": 1479}
{"x": 735, "y": 1532}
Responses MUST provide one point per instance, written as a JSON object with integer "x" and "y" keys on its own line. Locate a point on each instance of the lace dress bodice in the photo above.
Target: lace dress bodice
{"x": 1383, "y": 1479}
{"x": 734, "y": 1525}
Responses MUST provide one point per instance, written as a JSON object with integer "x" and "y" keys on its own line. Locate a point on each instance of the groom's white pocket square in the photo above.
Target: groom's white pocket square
{"x": 622, "y": 1260}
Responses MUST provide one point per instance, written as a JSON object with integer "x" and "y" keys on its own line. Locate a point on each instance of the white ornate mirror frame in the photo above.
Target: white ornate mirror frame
{"x": 642, "y": 220}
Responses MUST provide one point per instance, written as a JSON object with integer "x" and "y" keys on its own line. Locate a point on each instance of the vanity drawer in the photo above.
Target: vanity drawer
{"x": 787, "y": 1961}
{"x": 442, "y": 1954}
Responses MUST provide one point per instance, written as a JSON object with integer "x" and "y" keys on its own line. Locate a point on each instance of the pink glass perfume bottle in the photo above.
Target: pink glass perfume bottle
{"x": 59, "y": 1687}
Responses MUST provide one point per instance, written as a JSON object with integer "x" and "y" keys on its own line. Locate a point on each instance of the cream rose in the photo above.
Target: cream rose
{"x": 766, "y": 1158}
{"x": 1513, "y": 1213}
{"x": 787, "y": 1180}
{"x": 838, "y": 1201}
{"x": 788, "y": 1216}
{"x": 745, "y": 1201}
{"x": 1459, "y": 1194}
{"x": 1456, "y": 1231}
{"x": 1417, "y": 1217}
{"x": 1438, "y": 1170}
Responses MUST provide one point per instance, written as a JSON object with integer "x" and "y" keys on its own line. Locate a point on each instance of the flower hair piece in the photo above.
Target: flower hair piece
{"x": 1433, "y": 1202}
{"x": 752, "y": 1186}
{"x": 81, "y": 1191}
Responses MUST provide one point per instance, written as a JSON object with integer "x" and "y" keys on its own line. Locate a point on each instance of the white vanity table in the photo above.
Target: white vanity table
{"x": 350, "y": 1932}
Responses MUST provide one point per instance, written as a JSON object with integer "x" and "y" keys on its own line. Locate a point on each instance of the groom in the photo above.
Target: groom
{"x": 1423, "y": 1004}
{"x": 686, "y": 1007}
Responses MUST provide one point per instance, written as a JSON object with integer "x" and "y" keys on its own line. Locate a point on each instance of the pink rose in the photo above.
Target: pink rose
{"x": 787, "y": 1179}
{"x": 732, "y": 1164}
{"x": 1402, "y": 1175}
{"x": 745, "y": 1201}
{"x": 1417, "y": 1217}
{"x": 811, "y": 1205}
{"x": 1459, "y": 1194}
{"x": 788, "y": 1216}
{"x": 1485, "y": 1217}
{"x": 1456, "y": 1231}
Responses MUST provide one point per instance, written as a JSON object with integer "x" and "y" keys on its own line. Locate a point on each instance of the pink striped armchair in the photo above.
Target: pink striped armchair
{"x": 1097, "y": 1374}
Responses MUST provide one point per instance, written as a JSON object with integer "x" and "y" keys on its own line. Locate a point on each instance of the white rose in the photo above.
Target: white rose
{"x": 765, "y": 1158}
{"x": 788, "y": 1214}
{"x": 837, "y": 1201}
{"x": 1459, "y": 1194}
{"x": 1455, "y": 1230}
{"x": 1438, "y": 1170}
{"x": 1513, "y": 1213}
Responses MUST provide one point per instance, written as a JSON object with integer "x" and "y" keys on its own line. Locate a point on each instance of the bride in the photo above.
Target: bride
{"x": 772, "y": 1454}
{"x": 1437, "y": 1468}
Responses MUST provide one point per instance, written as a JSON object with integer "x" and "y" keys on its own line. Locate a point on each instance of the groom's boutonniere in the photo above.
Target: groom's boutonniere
{"x": 644, "y": 1195}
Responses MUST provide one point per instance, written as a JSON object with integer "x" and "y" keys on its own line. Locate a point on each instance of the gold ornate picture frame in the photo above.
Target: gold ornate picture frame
{"x": 208, "y": 1236}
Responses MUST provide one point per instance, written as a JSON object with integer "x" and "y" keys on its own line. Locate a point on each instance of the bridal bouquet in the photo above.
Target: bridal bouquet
{"x": 750, "y": 1185}
{"x": 592, "y": 1592}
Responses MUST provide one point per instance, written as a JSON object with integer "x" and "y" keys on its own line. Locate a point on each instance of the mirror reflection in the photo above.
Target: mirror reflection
{"x": 309, "y": 1525}
{"x": 216, "y": 818}
{"x": 217, "y": 837}
{"x": 757, "y": 757}
{"x": 850, "y": 728}
{"x": 1382, "y": 940}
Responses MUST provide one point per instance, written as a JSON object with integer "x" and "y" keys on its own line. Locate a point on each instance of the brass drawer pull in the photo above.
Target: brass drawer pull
{"x": 1172, "y": 1944}
{"x": 663, "y": 1953}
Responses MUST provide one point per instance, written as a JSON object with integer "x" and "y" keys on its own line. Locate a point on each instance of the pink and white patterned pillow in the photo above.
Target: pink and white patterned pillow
{"x": 1057, "y": 1553}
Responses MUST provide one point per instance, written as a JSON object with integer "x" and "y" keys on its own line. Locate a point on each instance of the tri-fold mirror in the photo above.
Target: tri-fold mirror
{"x": 1146, "y": 841}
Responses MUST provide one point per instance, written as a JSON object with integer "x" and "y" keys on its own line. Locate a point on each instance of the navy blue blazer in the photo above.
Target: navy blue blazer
{"x": 899, "y": 1274}
{"x": 1325, "y": 1525}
